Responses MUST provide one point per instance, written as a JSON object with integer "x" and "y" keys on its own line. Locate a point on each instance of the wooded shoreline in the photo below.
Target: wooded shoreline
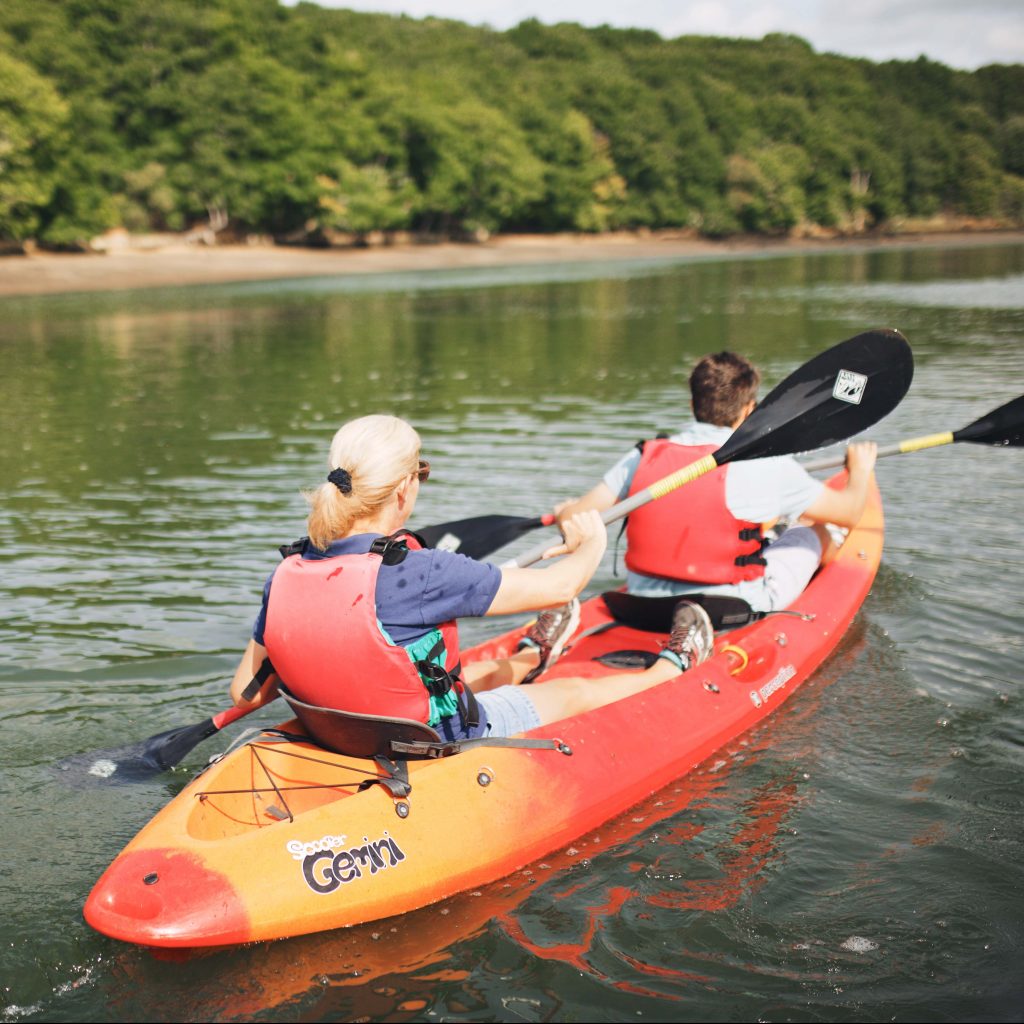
{"x": 54, "y": 273}
{"x": 309, "y": 125}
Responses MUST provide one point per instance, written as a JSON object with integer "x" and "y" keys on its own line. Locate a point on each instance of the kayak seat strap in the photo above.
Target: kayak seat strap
{"x": 447, "y": 748}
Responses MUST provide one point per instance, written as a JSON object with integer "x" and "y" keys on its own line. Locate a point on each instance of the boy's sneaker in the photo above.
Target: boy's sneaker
{"x": 692, "y": 639}
{"x": 549, "y": 635}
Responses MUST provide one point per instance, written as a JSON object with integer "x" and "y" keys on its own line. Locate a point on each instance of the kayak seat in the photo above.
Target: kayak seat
{"x": 379, "y": 737}
{"x": 654, "y": 614}
{"x": 346, "y": 732}
{"x": 628, "y": 659}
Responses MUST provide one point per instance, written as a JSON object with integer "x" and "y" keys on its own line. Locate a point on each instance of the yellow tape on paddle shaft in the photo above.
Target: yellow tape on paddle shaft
{"x": 682, "y": 476}
{"x": 915, "y": 444}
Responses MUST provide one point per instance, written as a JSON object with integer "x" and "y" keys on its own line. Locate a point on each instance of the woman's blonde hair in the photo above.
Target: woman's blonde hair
{"x": 374, "y": 454}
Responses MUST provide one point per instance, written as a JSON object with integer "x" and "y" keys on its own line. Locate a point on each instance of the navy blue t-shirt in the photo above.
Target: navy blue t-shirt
{"x": 428, "y": 587}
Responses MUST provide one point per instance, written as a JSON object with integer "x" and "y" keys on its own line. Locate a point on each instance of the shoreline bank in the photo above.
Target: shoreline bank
{"x": 54, "y": 273}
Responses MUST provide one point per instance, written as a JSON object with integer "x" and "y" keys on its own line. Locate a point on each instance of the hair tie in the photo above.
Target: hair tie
{"x": 342, "y": 479}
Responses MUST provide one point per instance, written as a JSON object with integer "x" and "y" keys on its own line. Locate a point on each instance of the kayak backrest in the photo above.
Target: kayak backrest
{"x": 358, "y": 735}
{"x": 654, "y": 614}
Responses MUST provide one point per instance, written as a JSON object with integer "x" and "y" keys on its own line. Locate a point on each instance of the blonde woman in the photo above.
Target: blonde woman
{"x": 363, "y": 620}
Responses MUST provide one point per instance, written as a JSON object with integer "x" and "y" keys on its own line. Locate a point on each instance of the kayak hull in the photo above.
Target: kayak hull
{"x": 278, "y": 839}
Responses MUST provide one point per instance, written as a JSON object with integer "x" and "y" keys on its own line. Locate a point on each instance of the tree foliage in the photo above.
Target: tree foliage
{"x": 296, "y": 120}
{"x": 33, "y": 118}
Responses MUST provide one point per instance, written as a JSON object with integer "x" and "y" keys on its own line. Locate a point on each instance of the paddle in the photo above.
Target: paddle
{"x": 145, "y": 758}
{"x": 840, "y": 392}
{"x": 1002, "y": 427}
{"x": 480, "y": 535}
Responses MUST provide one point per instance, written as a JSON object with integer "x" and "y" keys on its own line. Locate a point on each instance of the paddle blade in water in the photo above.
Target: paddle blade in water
{"x": 140, "y": 760}
{"x": 1002, "y": 426}
{"x": 837, "y": 394}
{"x": 479, "y": 536}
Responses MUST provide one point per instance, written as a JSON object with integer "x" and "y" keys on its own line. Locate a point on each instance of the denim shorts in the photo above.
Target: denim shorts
{"x": 509, "y": 711}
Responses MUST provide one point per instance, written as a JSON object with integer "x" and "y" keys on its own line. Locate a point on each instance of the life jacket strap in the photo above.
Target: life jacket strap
{"x": 263, "y": 673}
{"x": 469, "y": 709}
{"x": 436, "y": 678}
{"x": 439, "y": 681}
{"x": 392, "y": 550}
{"x": 296, "y": 547}
{"x": 755, "y": 557}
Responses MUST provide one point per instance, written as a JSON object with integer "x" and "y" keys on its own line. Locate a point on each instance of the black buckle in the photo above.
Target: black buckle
{"x": 755, "y": 559}
{"x": 436, "y": 678}
{"x": 391, "y": 549}
{"x": 296, "y": 547}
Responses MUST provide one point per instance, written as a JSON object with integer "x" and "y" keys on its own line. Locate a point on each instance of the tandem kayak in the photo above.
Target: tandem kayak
{"x": 282, "y": 837}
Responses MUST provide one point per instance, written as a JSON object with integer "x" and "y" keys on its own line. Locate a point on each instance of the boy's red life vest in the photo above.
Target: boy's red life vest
{"x": 689, "y": 535}
{"x": 324, "y": 639}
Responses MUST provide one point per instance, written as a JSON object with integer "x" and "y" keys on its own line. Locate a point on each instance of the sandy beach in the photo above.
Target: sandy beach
{"x": 180, "y": 264}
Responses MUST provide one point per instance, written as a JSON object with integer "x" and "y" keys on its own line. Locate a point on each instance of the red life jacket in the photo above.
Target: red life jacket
{"x": 327, "y": 645}
{"x": 690, "y": 534}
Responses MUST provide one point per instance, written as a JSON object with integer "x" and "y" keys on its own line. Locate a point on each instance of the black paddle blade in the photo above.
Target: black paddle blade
{"x": 1002, "y": 426}
{"x": 839, "y": 393}
{"x": 479, "y": 536}
{"x": 140, "y": 760}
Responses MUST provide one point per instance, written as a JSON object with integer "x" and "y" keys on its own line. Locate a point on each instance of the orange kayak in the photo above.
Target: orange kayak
{"x": 281, "y": 837}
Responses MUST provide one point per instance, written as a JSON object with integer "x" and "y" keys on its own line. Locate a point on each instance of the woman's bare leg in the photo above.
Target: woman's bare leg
{"x": 563, "y": 698}
{"x": 486, "y": 675}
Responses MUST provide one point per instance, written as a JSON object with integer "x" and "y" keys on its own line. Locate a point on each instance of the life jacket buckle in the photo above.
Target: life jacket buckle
{"x": 436, "y": 678}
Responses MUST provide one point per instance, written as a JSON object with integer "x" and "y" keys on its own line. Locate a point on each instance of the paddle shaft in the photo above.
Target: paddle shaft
{"x": 229, "y": 715}
{"x": 914, "y": 444}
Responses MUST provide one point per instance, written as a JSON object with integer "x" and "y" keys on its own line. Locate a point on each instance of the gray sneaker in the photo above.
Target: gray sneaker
{"x": 692, "y": 639}
{"x": 549, "y": 634}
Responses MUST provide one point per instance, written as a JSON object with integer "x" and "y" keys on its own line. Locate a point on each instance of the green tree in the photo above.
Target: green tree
{"x": 247, "y": 146}
{"x": 281, "y": 118}
{"x": 364, "y": 199}
{"x": 472, "y": 166}
{"x": 582, "y": 188}
{"x": 766, "y": 188}
{"x": 33, "y": 119}
{"x": 1011, "y": 143}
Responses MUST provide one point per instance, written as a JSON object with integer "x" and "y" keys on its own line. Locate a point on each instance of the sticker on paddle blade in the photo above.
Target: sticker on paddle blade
{"x": 849, "y": 386}
{"x": 449, "y": 542}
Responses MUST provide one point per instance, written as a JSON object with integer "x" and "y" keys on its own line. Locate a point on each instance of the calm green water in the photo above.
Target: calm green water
{"x": 857, "y": 858}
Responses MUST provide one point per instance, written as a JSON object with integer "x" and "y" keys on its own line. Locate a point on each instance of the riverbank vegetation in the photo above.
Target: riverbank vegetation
{"x": 246, "y": 117}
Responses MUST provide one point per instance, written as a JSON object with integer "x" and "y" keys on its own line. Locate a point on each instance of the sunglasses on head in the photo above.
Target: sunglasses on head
{"x": 423, "y": 473}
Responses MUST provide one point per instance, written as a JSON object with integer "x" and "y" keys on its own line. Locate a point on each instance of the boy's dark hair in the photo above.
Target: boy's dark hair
{"x": 721, "y": 385}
